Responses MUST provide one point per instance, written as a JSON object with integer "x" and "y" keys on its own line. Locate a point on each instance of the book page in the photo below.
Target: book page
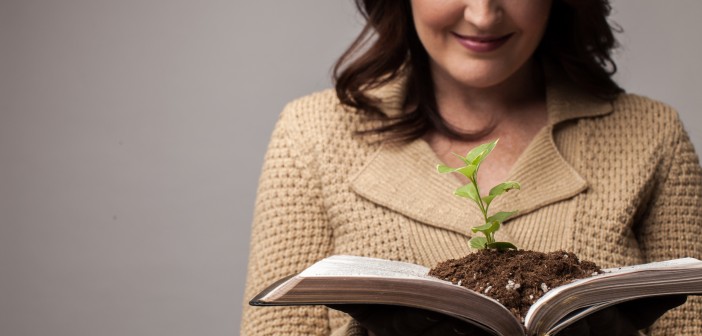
{"x": 615, "y": 285}
{"x": 359, "y": 280}
{"x": 668, "y": 264}
{"x": 345, "y": 265}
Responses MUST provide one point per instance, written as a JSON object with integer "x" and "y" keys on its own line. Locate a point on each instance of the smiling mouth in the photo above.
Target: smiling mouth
{"x": 482, "y": 44}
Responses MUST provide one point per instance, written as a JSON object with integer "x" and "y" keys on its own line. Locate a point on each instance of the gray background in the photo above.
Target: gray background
{"x": 132, "y": 133}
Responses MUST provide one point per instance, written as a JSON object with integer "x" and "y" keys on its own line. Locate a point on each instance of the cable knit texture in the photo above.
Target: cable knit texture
{"x": 617, "y": 183}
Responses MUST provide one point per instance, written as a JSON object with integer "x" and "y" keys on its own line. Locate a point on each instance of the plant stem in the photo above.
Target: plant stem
{"x": 480, "y": 199}
{"x": 481, "y": 205}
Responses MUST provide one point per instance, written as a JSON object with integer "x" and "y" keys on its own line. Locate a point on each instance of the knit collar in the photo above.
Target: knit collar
{"x": 564, "y": 101}
{"x": 402, "y": 177}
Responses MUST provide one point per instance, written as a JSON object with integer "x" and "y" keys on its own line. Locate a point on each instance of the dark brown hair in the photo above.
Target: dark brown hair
{"x": 578, "y": 41}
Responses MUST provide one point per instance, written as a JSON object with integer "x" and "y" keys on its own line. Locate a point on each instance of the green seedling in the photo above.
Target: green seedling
{"x": 471, "y": 191}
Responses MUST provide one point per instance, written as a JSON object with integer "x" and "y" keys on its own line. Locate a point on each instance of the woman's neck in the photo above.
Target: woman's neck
{"x": 514, "y": 112}
{"x": 473, "y": 110}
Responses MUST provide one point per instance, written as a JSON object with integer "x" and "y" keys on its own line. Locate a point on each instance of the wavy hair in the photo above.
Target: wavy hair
{"x": 578, "y": 41}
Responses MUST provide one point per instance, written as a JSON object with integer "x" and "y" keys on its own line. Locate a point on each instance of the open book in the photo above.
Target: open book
{"x": 359, "y": 280}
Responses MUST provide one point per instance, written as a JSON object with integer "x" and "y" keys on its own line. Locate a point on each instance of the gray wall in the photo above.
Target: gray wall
{"x": 661, "y": 55}
{"x": 132, "y": 134}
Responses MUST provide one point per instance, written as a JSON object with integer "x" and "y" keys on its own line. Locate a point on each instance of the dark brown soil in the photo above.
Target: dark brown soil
{"x": 514, "y": 278}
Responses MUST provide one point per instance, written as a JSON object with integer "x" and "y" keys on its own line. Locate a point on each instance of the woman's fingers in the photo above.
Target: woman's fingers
{"x": 610, "y": 322}
{"x": 579, "y": 328}
{"x": 454, "y": 327}
{"x": 384, "y": 320}
{"x": 409, "y": 321}
{"x": 625, "y": 318}
{"x": 644, "y": 312}
{"x": 622, "y": 319}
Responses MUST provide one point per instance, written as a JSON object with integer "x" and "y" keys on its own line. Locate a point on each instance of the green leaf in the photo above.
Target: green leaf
{"x": 478, "y": 243}
{"x": 462, "y": 158}
{"x": 467, "y": 191}
{"x": 472, "y": 162}
{"x": 488, "y": 199}
{"x": 501, "y": 246}
{"x": 477, "y": 154}
{"x": 487, "y": 228}
{"x": 503, "y": 188}
{"x": 468, "y": 171}
{"x": 443, "y": 169}
{"x": 499, "y": 190}
{"x": 501, "y": 216}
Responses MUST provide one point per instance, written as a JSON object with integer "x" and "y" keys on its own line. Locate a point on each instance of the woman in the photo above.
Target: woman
{"x": 610, "y": 176}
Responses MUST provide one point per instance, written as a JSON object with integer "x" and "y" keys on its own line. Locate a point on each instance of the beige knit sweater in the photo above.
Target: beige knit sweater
{"x": 617, "y": 183}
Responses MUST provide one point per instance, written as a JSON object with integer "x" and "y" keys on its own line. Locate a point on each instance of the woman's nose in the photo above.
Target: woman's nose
{"x": 483, "y": 13}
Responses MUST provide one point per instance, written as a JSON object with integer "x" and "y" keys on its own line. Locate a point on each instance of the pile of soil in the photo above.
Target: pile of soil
{"x": 514, "y": 278}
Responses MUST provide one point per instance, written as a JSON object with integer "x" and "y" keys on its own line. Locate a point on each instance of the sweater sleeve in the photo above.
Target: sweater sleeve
{"x": 290, "y": 232}
{"x": 672, "y": 226}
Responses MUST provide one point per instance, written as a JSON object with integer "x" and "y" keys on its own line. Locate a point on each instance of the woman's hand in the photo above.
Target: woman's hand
{"x": 625, "y": 318}
{"x": 384, "y": 320}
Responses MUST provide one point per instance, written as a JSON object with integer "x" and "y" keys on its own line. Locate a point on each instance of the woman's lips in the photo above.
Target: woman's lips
{"x": 482, "y": 44}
